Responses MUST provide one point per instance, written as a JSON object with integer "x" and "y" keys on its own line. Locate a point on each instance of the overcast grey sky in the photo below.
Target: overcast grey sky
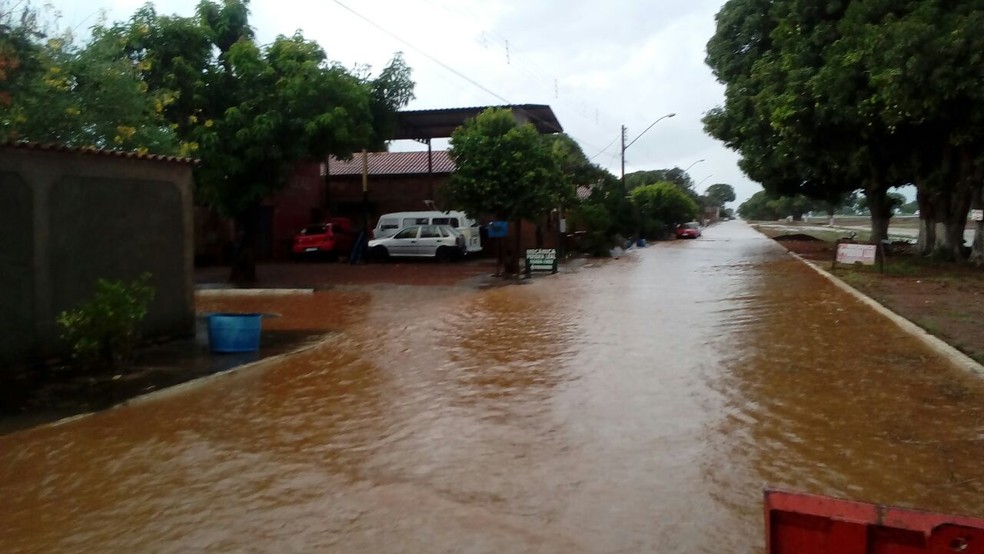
{"x": 598, "y": 65}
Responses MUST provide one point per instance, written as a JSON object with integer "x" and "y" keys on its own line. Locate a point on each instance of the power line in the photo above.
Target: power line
{"x": 604, "y": 149}
{"x": 425, "y": 54}
{"x": 517, "y": 60}
{"x": 526, "y": 70}
{"x": 448, "y": 67}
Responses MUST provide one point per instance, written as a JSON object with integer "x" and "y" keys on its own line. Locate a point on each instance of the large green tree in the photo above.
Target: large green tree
{"x": 675, "y": 175}
{"x": 922, "y": 65}
{"x": 768, "y": 54}
{"x": 251, "y": 111}
{"x": 720, "y": 194}
{"x": 826, "y": 98}
{"x": 661, "y": 205}
{"x": 507, "y": 171}
{"x": 53, "y": 90}
{"x": 763, "y": 206}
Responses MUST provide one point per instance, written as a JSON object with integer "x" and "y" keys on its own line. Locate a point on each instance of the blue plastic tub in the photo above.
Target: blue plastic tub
{"x": 234, "y": 332}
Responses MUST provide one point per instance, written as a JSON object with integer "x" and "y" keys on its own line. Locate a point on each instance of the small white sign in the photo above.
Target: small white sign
{"x": 977, "y": 215}
{"x": 848, "y": 253}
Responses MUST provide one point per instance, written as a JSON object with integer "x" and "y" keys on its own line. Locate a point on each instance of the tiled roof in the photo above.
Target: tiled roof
{"x": 95, "y": 152}
{"x": 393, "y": 163}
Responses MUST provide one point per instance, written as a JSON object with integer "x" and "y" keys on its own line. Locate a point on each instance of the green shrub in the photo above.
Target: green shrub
{"x": 102, "y": 332}
{"x": 595, "y": 220}
{"x": 652, "y": 228}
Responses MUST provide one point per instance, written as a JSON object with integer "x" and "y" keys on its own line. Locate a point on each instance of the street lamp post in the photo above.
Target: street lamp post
{"x": 624, "y": 146}
{"x": 693, "y": 164}
{"x": 702, "y": 180}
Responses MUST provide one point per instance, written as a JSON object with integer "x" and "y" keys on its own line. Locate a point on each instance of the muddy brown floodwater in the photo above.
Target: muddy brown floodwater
{"x": 640, "y": 405}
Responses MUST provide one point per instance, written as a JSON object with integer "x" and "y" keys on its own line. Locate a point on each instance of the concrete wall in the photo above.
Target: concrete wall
{"x": 68, "y": 218}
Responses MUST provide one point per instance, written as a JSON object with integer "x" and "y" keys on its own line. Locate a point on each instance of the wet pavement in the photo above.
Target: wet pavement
{"x": 636, "y": 405}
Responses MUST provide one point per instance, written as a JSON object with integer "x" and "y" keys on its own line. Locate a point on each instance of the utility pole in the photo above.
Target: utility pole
{"x": 623, "y": 160}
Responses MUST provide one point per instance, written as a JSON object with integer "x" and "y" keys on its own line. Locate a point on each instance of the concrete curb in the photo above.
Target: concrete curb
{"x": 187, "y": 385}
{"x": 953, "y": 355}
{"x": 251, "y": 292}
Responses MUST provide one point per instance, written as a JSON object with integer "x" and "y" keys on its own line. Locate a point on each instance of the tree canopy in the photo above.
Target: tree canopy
{"x": 250, "y": 111}
{"x": 762, "y": 206}
{"x": 661, "y": 205}
{"x": 824, "y": 99}
{"x": 506, "y": 170}
{"x": 53, "y": 90}
{"x": 675, "y": 175}
{"x": 720, "y": 194}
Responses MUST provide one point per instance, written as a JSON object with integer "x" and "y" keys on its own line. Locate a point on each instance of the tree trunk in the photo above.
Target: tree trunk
{"x": 881, "y": 212}
{"x": 927, "y": 222}
{"x": 517, "y": 252}
{"x": 511, "y": 262}
{"x": 243, "y": 271}
{"x": 977, "y": 203}
{"x": 957, "y": 200}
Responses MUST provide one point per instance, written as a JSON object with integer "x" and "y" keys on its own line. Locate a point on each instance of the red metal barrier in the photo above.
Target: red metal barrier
{"x": 809, "y": 524}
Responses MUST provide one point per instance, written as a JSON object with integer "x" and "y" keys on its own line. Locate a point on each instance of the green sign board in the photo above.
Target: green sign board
{"x": 541, "y": 260}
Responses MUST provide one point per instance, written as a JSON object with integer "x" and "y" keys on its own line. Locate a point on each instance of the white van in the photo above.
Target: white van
{"x": 389, "y": 224}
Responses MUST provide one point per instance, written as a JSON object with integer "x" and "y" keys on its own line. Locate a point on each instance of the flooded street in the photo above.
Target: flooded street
{"x": 636, "y": 405}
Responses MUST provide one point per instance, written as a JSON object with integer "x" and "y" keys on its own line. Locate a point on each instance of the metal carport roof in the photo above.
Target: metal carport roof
{"x": 431, "y": 124}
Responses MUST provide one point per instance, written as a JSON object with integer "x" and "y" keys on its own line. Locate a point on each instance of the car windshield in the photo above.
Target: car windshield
{"x": 692, "y": 225}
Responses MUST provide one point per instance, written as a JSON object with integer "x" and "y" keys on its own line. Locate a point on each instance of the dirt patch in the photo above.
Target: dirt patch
{"x": 799, "y": 237}
{"x": 813, "y": 249}
{"x": 947, "y": 300}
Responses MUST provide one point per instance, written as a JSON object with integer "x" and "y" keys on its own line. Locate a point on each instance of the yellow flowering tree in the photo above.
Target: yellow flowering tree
{"x": 56, "y": 91}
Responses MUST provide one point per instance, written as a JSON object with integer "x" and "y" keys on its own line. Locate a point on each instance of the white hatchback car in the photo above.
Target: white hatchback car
{"x": 441, "y": 242}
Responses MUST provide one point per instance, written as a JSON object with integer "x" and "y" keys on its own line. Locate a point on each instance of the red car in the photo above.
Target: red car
{"x": 331, "y": 238}
{"x": 688, "y": 230}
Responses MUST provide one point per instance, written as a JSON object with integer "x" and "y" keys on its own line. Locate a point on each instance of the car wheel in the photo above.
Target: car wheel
{"x": 444, "y": 254}
{"x": 380, "y": 253}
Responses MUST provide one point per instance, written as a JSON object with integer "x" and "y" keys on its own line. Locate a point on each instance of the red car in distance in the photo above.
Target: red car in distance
{"x": 330, "y": 239}
{"x": 688, "y": 230}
